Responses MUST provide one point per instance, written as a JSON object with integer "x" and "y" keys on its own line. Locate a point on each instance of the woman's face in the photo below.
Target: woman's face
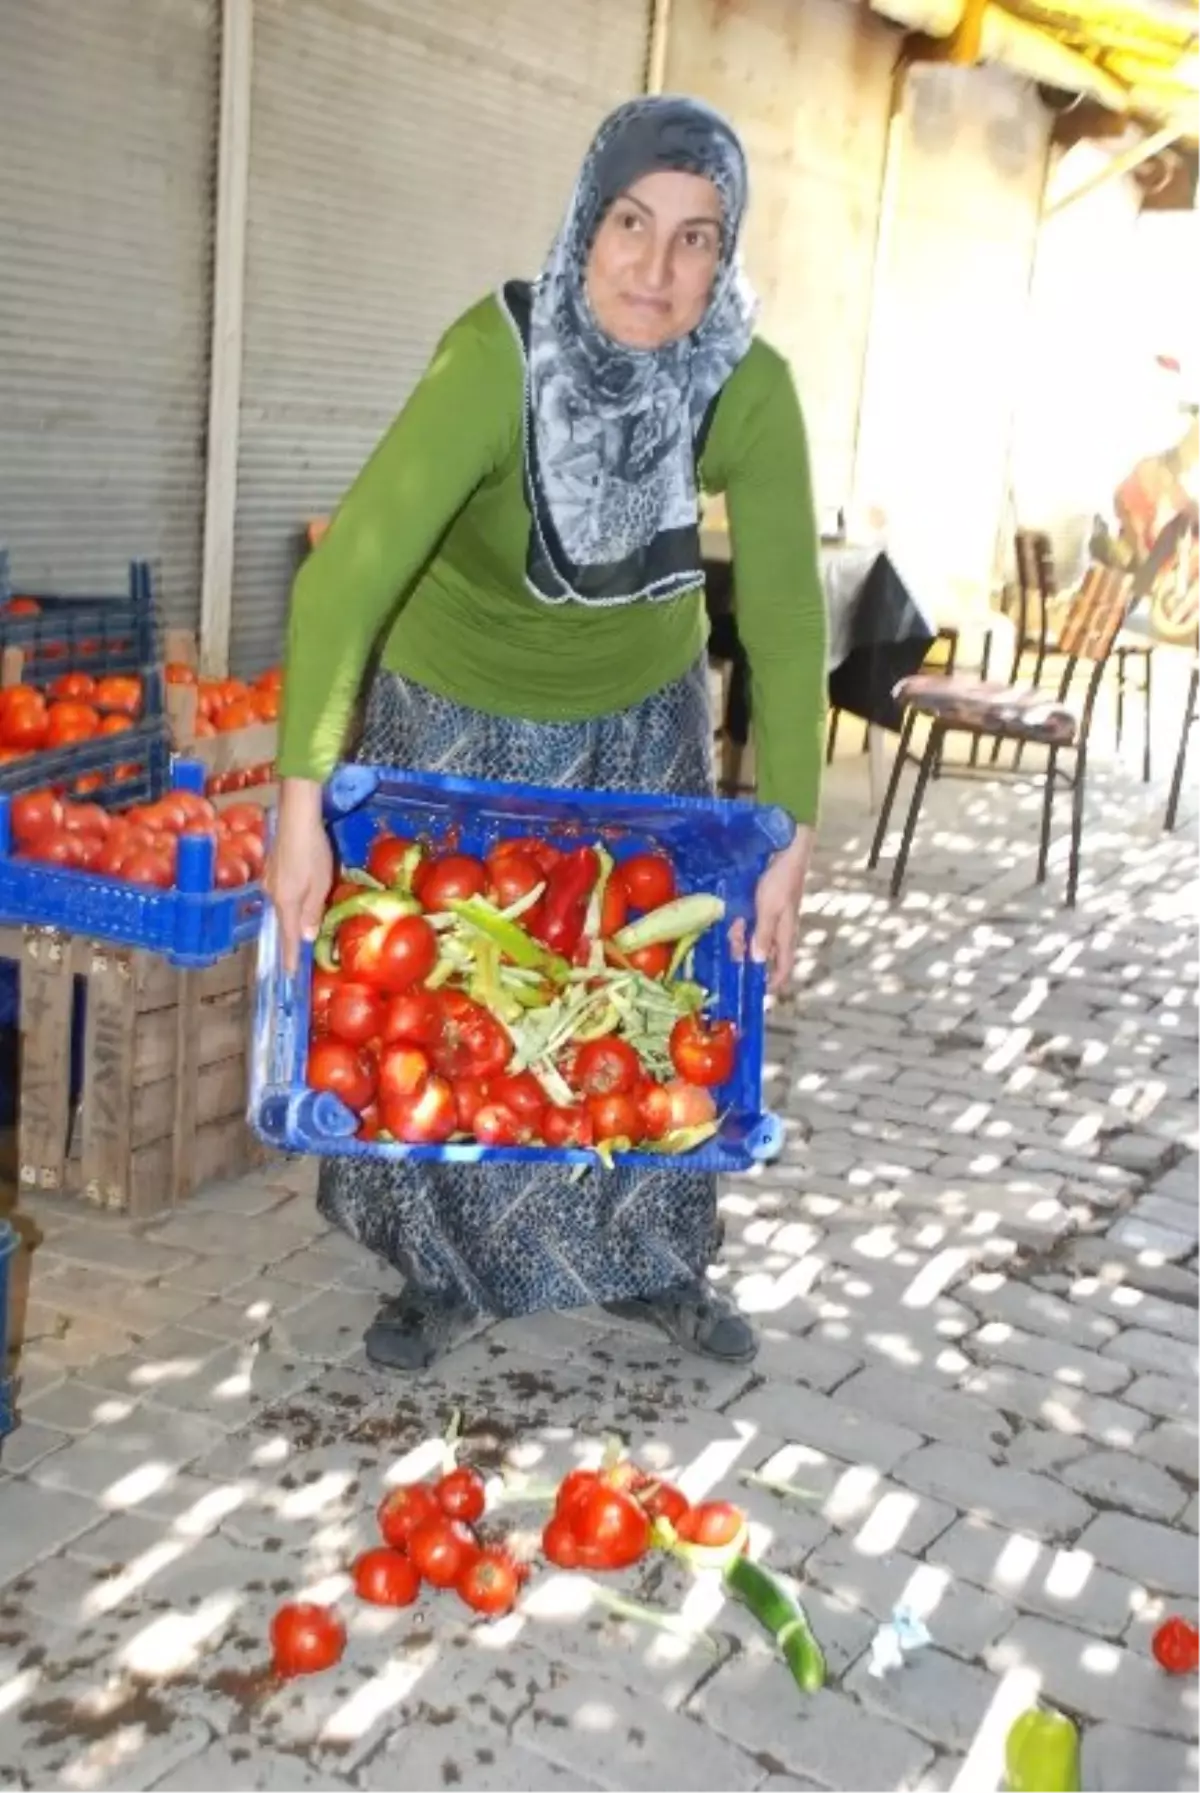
{"x": 654, "y": 260}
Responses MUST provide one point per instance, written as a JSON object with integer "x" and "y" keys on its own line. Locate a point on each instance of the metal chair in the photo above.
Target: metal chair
{"x": 1016, "y": 713}
{"x": 1189, "y": 717}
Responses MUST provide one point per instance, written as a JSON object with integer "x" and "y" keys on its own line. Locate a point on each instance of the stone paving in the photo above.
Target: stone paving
{"x": 975, "y": 1272}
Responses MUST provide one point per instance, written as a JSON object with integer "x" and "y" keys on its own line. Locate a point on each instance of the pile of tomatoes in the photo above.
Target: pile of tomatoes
{"x": 138, "y": 845}
{"x": 223, "y": 705}
{"x": 240, "y": 778}
{"x": 423, "y": 1065}
{"x": 74, "y": 707}
{"x": 604, "y": 1519}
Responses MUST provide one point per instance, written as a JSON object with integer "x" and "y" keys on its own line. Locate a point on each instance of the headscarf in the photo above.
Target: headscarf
{"x": 612, "y": 434}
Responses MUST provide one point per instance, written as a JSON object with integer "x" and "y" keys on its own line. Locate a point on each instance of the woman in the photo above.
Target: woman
{"x": 527, "y": 535}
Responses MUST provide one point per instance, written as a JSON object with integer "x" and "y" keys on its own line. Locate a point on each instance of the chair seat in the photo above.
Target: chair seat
{"x": 989, "y": 709}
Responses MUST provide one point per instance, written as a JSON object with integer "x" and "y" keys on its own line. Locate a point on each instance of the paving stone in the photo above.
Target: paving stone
{"x": 1119, "y": 1265}
{"x": 1017, "y": 1210}
{"x": 1152, "y": 1238}
{"x": 826, "y": 1423}
{"x": 115, "y": 1248}
{"x": 1098, "y": 1678}
{"x": 1051, "y": 1359}
{"x": 239, "y": 1767}
{"x": 1055, "y": 1406}
{"x": 998, "y": 1297}
{"x": 1128, "y": 1305}
{"x": 36, "y": 1522}
{"x": 245, "y": 1196}
{"x": 249, "y": 1312}
{"x": 143, "y": 1307}
{"x": 431, "y": 1755}
{"x": 829, "y": 1738}
{"x": 1039, "y": 1450}
{"x": 1115, "y": 1758}
{"x": 119, "y": 1464}
{"x": 961, "y": 1619}
{"x": 77, "y": 1406}
{"x": 933, "y": 1412}
{"x": 28, "y": 1444}
{"x": 217, "y": 1273}
{"x": 1174, "y": 1445}
{"x": 1163, "y": 1210}
{"x": 1059, "y": 1582}
{"x": 262, "y": 1240}
{"x": 72, "y": 1341}
{"x": 1156, "y": 1353}
{"x": 1122, "y": 1480}
{"x": 810, "y": 1361}
{"x": 114, "y": 1737}
{"x": 934, "y": 1694}
{"x": 1010, "y": 1496}
{"x": 1156, "y": 1555}
{"x": 328, "y": 1327}
{"x": 1165, "y": 1396}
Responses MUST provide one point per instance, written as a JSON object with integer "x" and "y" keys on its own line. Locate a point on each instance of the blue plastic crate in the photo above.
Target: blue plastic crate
{"x": 8, "y": 1250}
{"x": 716, "y": 846}
{"x": 92, "y": 633}
{"x": 192, "y": 925}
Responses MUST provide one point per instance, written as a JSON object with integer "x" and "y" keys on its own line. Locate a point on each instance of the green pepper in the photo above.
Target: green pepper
{"x": 512, "y": 940}
{"x": 384, "y": 906}
{"x": 1041, "y": 1753}
{"x": 779, "y": 1612}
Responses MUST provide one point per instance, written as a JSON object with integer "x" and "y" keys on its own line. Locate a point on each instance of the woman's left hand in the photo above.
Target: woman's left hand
{"x": 777, "y": 910}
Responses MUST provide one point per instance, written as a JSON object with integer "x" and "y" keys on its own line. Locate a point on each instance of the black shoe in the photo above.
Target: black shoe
{"x": 414, "y": 1331}
{"x": 699, "y": 1318}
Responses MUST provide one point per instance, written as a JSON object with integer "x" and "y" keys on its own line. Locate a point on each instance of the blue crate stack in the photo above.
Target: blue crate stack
{"x": 8, "y": 1251}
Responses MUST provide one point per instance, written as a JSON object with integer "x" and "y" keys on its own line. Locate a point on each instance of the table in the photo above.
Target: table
{"x": 878, "y": 635}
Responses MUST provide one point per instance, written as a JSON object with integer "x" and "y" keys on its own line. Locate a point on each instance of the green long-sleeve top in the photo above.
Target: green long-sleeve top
{"x": 430, "y": 545}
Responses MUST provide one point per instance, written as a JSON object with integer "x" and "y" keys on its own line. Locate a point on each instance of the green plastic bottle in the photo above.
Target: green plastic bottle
{"x": 1041, "y": 1753}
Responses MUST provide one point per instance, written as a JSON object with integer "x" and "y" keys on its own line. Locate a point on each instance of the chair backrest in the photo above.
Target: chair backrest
{"x": 1035, "y": 563}
{"x": 1097, "y": 612}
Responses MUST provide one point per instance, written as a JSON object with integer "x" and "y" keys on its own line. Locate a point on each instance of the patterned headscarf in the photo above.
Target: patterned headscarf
{"x": 612, "y": 433}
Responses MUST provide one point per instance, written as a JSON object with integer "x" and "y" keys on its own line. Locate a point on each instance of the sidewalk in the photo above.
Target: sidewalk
{"x": 975, "y": 1273}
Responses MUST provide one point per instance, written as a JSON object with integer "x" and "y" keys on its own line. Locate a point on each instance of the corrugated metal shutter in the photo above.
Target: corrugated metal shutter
{"x": 405, "y": 158}
{"x": 107, "y": 157}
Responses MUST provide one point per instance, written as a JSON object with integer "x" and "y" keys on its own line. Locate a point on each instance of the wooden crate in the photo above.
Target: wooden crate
{"x": 162, "y": 1109}
{"x": 233, "y": 751}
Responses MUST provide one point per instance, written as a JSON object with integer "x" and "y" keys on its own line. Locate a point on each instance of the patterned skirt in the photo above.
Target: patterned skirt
{"x": 516, "y": 1239}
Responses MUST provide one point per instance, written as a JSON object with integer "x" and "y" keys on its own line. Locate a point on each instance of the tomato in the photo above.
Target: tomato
{"x": 451, "y": 879}
{"x": 342, "y": 891}
{"x": 461, "y": 1494}
{"x": 441, "y": 1550}
{"x": 473, "y": 1043}
{"x": 178, "y": 672}
{"x": 426, "y": 1118}
{"x": 35, "y": 813}
{"x": 230, "y": 869}
{"x": 470, "y": 1095}
{"x": 490, "y": 1583}
{"x": 22, "y": 607}
{"x": 385, "y": 860}
{"x": 654, "y": 1106}
{"x": 495, "y": 1125}
{"x": 402, "y": 1069}
{"x": 242, "y": 818}
{"x": 512, "y": 876}
{"x": 119, "y": 691}
{"x": 691, "y": 1106}
{"x": 77, "y": 685}
{"x": 357, "y": 942}
{"x": 614, "y": 908}
{"x": 607, "y": 1067}
{"x": 368, "y": 1122}
{"x": 543, "y": 855}
{"x": 612, "y": 1523}
{"x": 149, "y": 865}
{"x": 1176, "y": 1646}
{"x": 615, "y": 1117}
{"x": 400, "y": 1512}
{"x": 344, "y": 1070}
{"x": 567, "y": 1127}
{"x": 713, "y": 1523}
{"x": 69, "y": 721}
{"x": 86, "y": 818}
{"x": 385, "y": 1577}
{"x": 522, "y": 1093}
{"x": 114, "y": 724}
{"x": 407, "y": 954}
{"x": 704, "y": 1052}
{"x": 662, "y": 1500}
{"x": 414, "y": 1016}
{"x": 250, "y": 850}
{"x": 23, "y": 721}
{"x": 305, "y": 1639}
{"x": 240, "y": 712}
{"x": 354, "y": 1013}
{"x": 560, "y": 1544}
{"x": 648, "y": 880}
{"x": 651, "y": 961}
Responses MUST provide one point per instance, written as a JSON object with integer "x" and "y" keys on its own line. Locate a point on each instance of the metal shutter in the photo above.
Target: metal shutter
{"x": 404, "y": 159}
{"x": 107, "y": 155}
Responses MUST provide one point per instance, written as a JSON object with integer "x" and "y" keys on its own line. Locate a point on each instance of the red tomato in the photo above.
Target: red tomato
{"x": 77, "y": 685}
{"x": 473, "y": 1043}
{"x": 69, "y": 721}
{"x": 490, "y": 1583}
{"x": 607, "y": 1067}
{"x": 250, "y": 850}
{"x": 230, "y": 869}
{"x": 704, "y": 1052}
{"x": 426, "y": 1118}
{"x": 305, "y": 1639}
{"x": 461, "y": 1494}
{"x": 23, "y": 721}
{"x": 402, "y": 1070}
{"x": 496, "y": 1125}
{"x": 119, "y": 691}
{"x": 452, "y": 878}
{"x": 385, "y": 860}
{"x": 543, "y": 855}
{"x": 648, "y": 880}
{"x": 560, "y": 1544}
{"x": 654, "y": 1106}
{"x": 662, "y": 1500}
{"x": 651, "y": 961}
{"x": 414, "y": 1016}
{"x": 321, "y": 994}
{"x": 150, "y": 865}
{"x": 407, "y": 954}
{"x": 470, "y": 1095}
{"x": 342, "y": 891}
{"x": 114, "y": 725}
{"x": 713, "y": 1523}
{"x": 57, "y": 847}
{"x": 344, "y": 1070}
{"x": 691, "y": 1106}
{"x": 567, "y": 1127}
{"x": 441, "y": 1550}
{"x": 386, "y": 1578}
{"x": 611, "y": 1522}
{"x": 354, "y": 1013}
{"x": 22, "y": 607}
{"x": 1176, "y": 1646}
{"x": 400, "y": 1512}
{"x": 512, "y": 876}
{"x": 86, "y": 818}
{"x": 615, "y": 1117}
{"x": 35, "y": 813}
{"x": 614, "y": 908}
{"x": 368, "y": 1122}
{"x": 522, "y": 1093}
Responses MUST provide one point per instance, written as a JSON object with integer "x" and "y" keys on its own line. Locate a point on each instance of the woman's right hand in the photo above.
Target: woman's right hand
{"x": 299, "y": 871}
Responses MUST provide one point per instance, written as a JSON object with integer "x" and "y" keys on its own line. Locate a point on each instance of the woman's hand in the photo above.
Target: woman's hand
{"x": 777, "y": 911}
{"x": 299, "y": 872}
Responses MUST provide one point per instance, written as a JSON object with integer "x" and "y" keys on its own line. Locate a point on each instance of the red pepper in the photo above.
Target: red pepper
{"x": 1176, "y": 1646}
{"x": 564, "y": 905}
